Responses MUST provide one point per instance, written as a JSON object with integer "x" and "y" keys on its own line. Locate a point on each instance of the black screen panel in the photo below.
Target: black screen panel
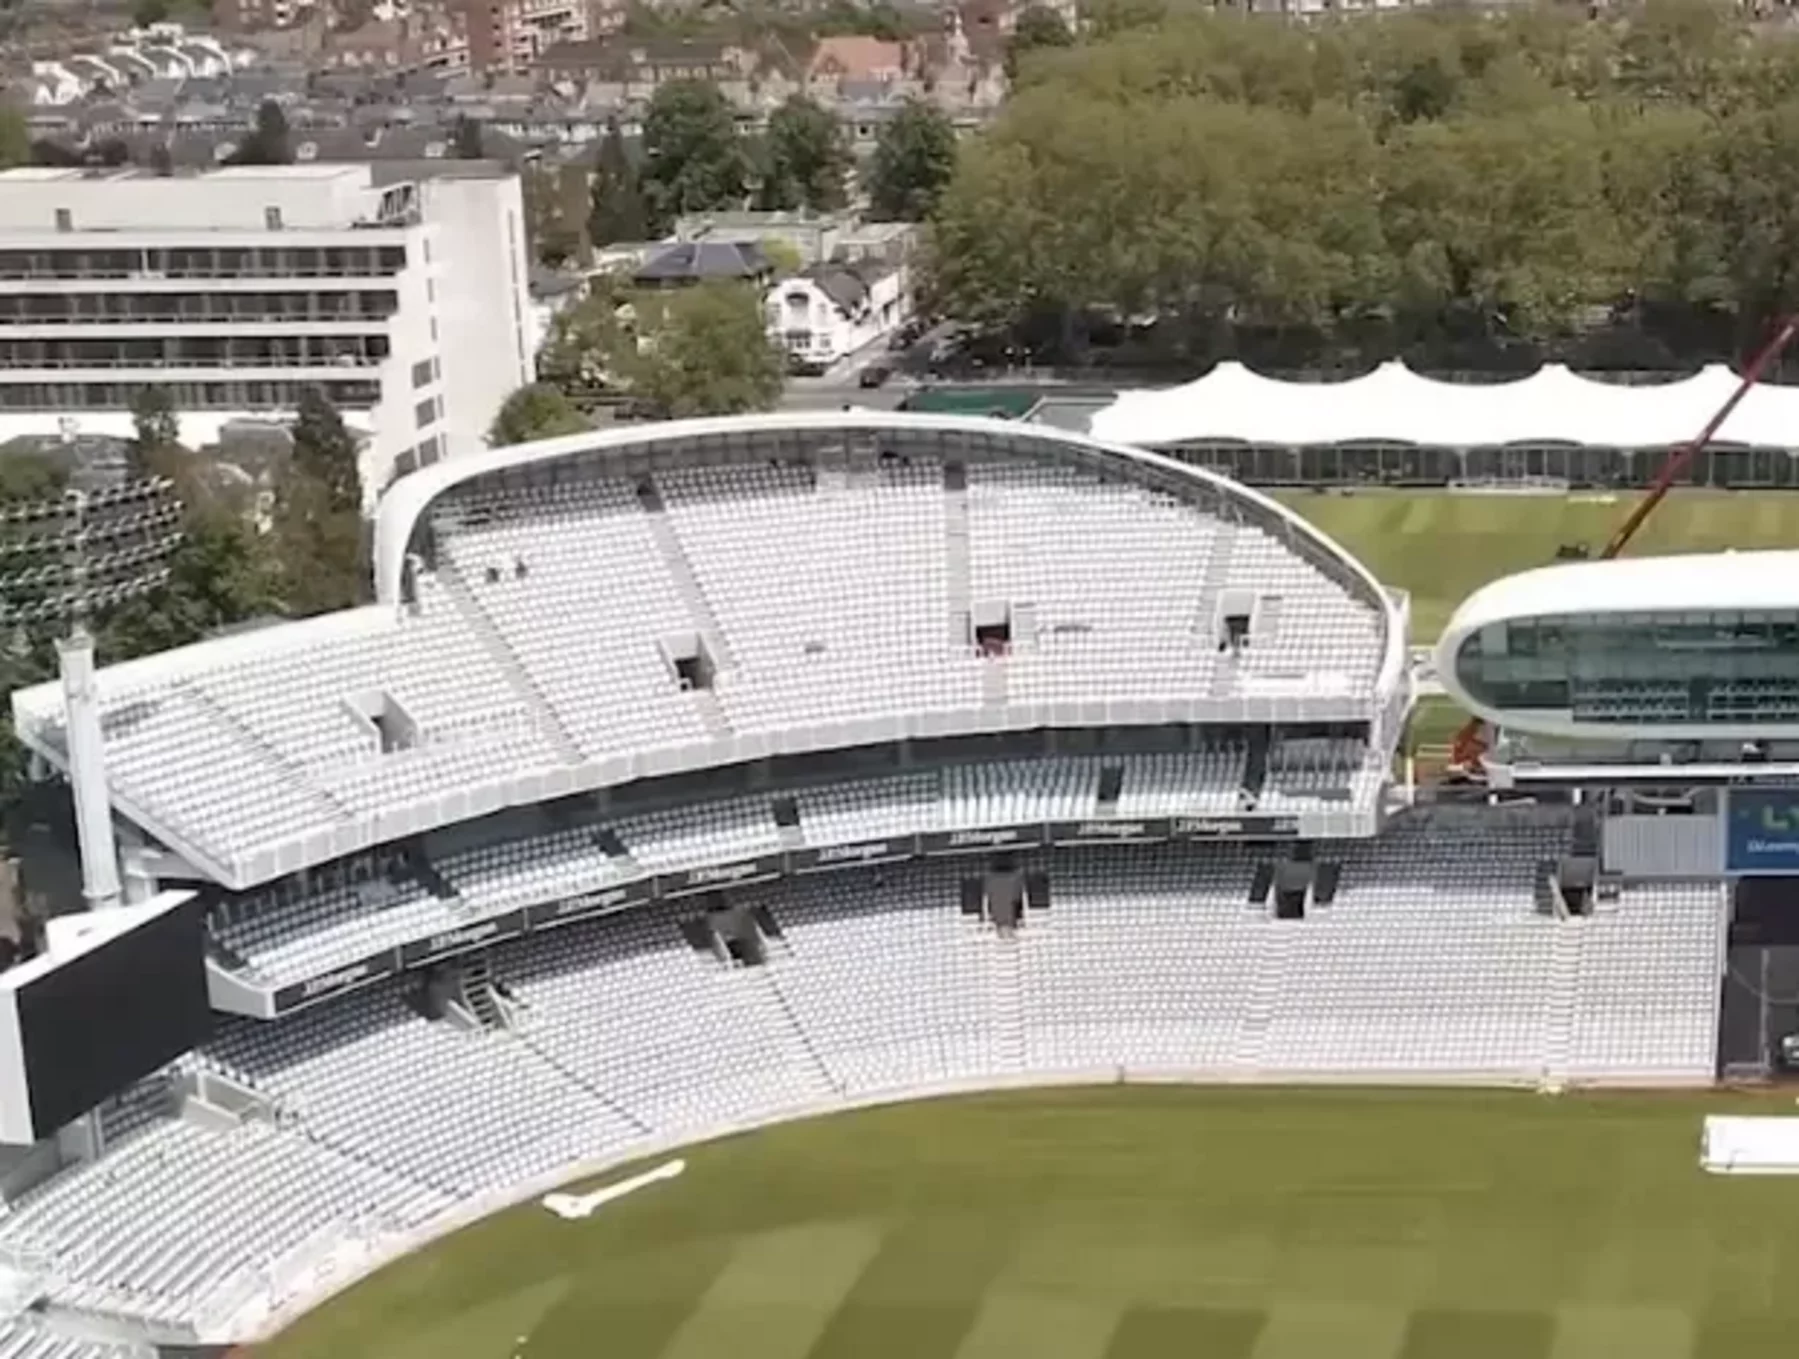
{"x": 110, "y": 1016}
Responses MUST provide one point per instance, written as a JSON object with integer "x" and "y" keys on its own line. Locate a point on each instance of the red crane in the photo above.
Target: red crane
{"x": 1470, "y": 742}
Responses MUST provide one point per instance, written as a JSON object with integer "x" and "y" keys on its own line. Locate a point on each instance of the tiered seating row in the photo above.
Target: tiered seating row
{"x": 1431, "y": 963}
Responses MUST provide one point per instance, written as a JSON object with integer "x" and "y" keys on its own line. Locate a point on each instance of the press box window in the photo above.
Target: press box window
{"x": 422, "y": 373}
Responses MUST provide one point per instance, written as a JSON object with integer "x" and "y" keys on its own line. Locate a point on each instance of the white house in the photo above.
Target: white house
{"x": 831, "y": 310}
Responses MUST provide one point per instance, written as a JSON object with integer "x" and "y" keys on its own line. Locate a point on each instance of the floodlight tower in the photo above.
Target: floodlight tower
{"x": 61, "y": 561}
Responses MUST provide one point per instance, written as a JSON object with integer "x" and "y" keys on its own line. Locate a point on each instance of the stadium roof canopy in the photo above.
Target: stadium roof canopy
{"x": 1669, "y": 648}
{"x": 537, "y": 603}
{"x": 1232, "y": 404}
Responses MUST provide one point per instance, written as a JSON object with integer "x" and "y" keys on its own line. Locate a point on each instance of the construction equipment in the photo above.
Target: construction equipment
{"x": 1470, "y": 743}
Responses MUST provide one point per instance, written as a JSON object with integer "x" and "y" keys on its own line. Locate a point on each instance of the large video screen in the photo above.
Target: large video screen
{"x": 1764, "y": 831}
{"x": 105, "y": 1018}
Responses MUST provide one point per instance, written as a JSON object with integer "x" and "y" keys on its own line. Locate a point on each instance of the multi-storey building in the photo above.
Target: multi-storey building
{"x": 510, "y": 35}
{"x": 398, "y": 289}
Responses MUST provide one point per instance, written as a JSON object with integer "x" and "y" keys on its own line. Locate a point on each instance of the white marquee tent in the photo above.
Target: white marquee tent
{"x": 1395, "y": 405}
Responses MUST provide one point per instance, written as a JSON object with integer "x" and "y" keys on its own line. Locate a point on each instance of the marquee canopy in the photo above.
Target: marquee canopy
{"x": 1395, "y": 405}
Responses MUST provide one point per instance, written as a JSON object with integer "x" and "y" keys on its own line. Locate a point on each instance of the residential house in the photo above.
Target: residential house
{"x": 686, "y": 263}
{"x": 832, "y": 310}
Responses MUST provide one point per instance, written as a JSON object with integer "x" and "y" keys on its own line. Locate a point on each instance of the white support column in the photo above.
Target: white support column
{"x": 87, "y": 772}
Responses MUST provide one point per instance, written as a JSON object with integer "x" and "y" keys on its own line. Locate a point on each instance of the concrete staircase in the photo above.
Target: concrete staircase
{"x": 802, "y": 1053}
{"x": 548, "y": 721}
{"x": 1006, "y": 972}
{"x": 1249, "y": 1053}
{"x": 699, "y": 608}
{"x": 1563, "y": 988}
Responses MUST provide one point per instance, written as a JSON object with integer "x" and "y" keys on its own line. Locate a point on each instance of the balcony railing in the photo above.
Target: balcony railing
{"x": 176, "y": 318}
{"x": 13, "y": 365}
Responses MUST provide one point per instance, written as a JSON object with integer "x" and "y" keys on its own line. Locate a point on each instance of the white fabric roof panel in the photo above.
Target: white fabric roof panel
{"x": 1395, "y": 405}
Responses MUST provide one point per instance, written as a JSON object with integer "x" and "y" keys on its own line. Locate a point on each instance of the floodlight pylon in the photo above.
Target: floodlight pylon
{"x": 62, "y": 561}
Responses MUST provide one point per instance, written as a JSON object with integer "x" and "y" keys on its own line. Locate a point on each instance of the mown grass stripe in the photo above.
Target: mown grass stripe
{"x": 1456, "y": 1333}
{"x": 776, "y": 1295}
{"x": 1202, "y": 1332}
{"x": 921, "y": 1292}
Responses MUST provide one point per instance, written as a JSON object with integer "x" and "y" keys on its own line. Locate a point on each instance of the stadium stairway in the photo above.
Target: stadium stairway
{"x": 254, "y": 740}
{"x": 609, "y": 1101}
{"x": 1008, "y": 1003}
{"x": 801, "y": 1053}
{"x": 1273, "y": 964}
{"x": 687, "y": 586}
{"x": 475, "y": 985}
{"x": 475, "y": 615}
{"x": 1563, "y": 999}
{"x": 1211, "y": 592}
{"x": 956, "y": 555}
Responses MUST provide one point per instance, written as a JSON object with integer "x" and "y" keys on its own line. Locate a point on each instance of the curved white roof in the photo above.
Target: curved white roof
{"x": 1395, "y": 405}
{"x": 1697, "y": 582}
{"x": 829, "y": 582}
{"x": 409, "y": 498}
{"x": 1717, "y": 580}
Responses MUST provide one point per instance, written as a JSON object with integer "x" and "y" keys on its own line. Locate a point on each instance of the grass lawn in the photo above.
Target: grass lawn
{"x": 1442, "y": 547}
{"x": 1118, "y": 1223}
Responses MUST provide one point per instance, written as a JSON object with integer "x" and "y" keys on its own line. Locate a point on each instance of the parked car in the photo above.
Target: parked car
{"x": 874, "y": 375}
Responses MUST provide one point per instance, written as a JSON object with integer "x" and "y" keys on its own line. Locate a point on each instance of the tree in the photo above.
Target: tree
{"x": 914, "y": 158}
{"x": 267, "y": 143}
{"x": 694, "y": 160}
{"x": 317, "y": 523}
{"x": 708, "y": 354}
{"x": 806, "y": 159}
{"x": 156, "y": 431}
{"x": 325, "y": 452}
{"x": 618, "y": 212}
{"x": 588, "y": 347}
{"x": 15, "y": 139}
{"x": 27, "y": 478}
{"x": 1503, "y": 220}
{"x": 1037, "y": 27}
{"x": 223, "y": 573}
{"x": 467, "y": 140}
{"x": 536, "y": 411}
{"x": 556, "y": 208}
{"x": 320, "y": 549}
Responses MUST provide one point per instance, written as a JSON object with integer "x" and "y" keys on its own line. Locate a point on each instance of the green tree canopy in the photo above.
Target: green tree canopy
{"x": 320, "y": 538}
{"x": 1037, "y": 27}
{"x": 914, "y": 158}
{"x": 536, "y": 411}
{"x": 806, "y": 159}
{"x": 15, "y": 138}
{"x": 325, "y": 451}
{"x": 693, "y": 159}
{"x": 1435, "y": 181}
{"x": 618, "y": 212}
{"x": 26, "y": 478}
{"x": 156, "y": 432}
{"x": 468, "y": 141}
{"x": 708, "y": 353}
{"x": 268, "y": 143}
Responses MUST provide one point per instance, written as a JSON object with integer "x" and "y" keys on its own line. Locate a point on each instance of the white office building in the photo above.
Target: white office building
{"x": 399, "y": 290}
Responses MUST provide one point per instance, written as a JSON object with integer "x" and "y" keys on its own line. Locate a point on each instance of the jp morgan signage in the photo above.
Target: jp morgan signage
{"x": 1119, "y": 831}
{"x": 981, "y": 839}
{"x": 601, "y": 902}
{"x": 852, "y": 855}
{"x": 478, "y": 934}
{"x": 1233, "y": 827}
{"x": 336, "y": 981}
{"x": 713, "y": 876}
